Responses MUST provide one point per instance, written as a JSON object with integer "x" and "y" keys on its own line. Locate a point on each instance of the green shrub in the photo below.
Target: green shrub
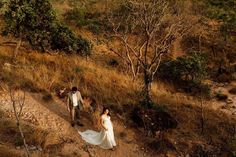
{"x": 83, "y": 18}
{"x": 35, "y": 22}
{"x": 222, "y": 10}
{"x": 83, "y": 46}
{"x": 186, "y": 72}
{"x": 64, "y": 39}
{"x": 76, "y": 15}
{"x": 95, "y": 28}
{"x": 185, "y": 68}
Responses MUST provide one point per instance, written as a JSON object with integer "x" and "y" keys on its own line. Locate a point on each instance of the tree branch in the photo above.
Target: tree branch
{"x": 17, "y": 116}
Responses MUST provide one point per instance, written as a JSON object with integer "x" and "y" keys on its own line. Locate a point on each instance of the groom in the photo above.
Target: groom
{"x": 74, "y": 105}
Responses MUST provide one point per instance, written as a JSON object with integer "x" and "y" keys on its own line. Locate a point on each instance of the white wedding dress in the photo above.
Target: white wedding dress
{"x": 105, "y": 138}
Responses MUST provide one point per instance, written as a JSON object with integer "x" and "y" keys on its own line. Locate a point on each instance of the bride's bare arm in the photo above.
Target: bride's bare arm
{"x": 102, "y": 124}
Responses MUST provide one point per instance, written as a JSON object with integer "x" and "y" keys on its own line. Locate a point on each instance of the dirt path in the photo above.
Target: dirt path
{"x": 227, "y": 106}
{"x": 53, "y": 116}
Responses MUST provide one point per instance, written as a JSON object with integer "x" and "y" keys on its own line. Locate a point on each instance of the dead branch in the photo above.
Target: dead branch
{"x": 17, "y": 49}
{"x": 12, "y": 43}
{"x": 19, "y": 102}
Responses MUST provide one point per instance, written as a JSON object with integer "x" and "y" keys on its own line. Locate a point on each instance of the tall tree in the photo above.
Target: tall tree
{"x": 146, "y": 29}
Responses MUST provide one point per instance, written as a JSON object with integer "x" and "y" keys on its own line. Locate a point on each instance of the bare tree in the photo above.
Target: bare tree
{"x": 18, "y": 103}
{"x": 146, "y": 30}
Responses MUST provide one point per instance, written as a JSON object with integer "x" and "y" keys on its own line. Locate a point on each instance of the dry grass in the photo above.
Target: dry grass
{"x": 39, "y": 72}
{"x": 42, "y": 72}
{"x": 10, "y": 134}
{"x": 218, "y": 131}
{"x": 6, "y": 152}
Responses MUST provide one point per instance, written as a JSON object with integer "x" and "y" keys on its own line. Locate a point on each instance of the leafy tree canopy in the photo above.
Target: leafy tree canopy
{"x": 35, "y": 21}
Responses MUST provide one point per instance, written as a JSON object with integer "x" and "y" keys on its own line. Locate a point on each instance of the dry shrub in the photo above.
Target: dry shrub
{"x": 232, "y": 91}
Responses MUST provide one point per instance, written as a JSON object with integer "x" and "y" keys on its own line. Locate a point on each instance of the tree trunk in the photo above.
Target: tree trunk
{"x": 19, "y": 127}
{"x": 147, "y": 89}
{"x": 213, "y": 51}
{"x": 16, "y": 49}
{"x": 202, "y": 114}
{"x": 24, "y": 141}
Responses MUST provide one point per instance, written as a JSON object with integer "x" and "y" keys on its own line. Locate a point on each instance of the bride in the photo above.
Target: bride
{"x": 105, "y": 138}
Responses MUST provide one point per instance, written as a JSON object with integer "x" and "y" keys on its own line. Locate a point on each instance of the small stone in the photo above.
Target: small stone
{"x": 221, "y": 97}
{"x": 32, "y": 148}
{"x": 40, "y": 148}
{"x": 224, "y": 107}
{"x": 7, "y": 66}
{"x": 179, "y": 90}
{"x": 221, "y": 84}
{"x": 18, "y": 148}
{"x": 129, "y": 141}
{"x": 170, "y": 155}
{"x": 229, "y": 101}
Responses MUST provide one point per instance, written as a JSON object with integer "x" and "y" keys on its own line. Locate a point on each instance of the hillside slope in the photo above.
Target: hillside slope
{"x": 41, "y": 75}
{"x": 205, "y": 126}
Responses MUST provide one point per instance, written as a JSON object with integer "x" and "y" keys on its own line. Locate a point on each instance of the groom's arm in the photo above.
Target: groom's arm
{"x": 68, "y": 102}
{"x": 80, "y": 99}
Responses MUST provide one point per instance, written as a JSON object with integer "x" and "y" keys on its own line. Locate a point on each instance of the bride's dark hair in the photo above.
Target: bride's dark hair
{"x": 104, "y": 110}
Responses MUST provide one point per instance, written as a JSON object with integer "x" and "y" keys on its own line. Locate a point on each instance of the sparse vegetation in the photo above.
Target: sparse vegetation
{"x": 154, "y": 27}
{"x": 83, "y": 15}
{"x": 42, "y": 72}
{"x": 180, "y": 124}
{"x": 222, "y": 10}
